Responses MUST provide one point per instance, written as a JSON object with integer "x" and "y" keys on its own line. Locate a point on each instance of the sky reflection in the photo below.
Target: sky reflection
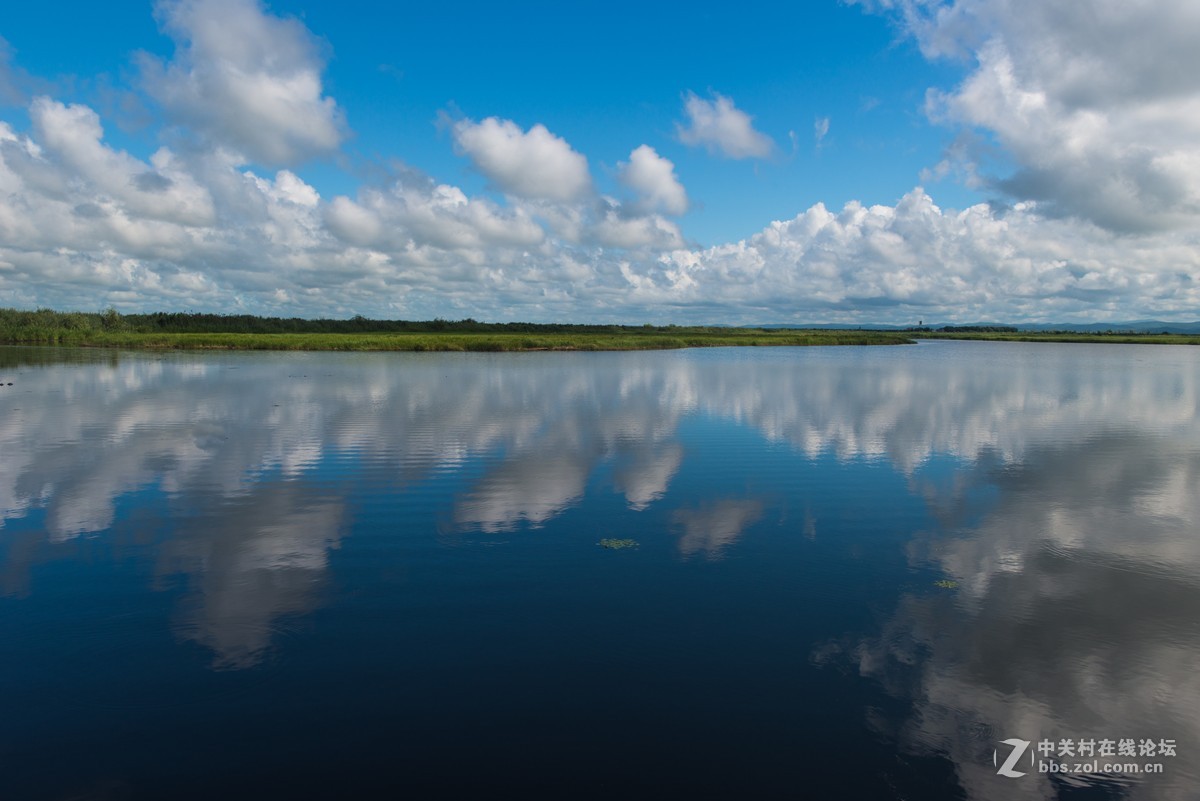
{"x": 1058, "y": 489}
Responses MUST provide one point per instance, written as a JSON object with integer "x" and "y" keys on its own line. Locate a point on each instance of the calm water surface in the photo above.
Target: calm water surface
{"x": 857, "y": 571}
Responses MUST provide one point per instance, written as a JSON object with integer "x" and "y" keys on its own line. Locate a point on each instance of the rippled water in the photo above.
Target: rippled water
{"x": 857, "y": 571}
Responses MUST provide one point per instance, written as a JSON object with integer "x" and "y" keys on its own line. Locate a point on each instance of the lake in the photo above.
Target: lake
{"x": 952, "y": 570}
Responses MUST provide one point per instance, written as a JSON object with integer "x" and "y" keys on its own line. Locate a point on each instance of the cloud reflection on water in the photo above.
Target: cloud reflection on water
{"x": 92, "y": 433}
{"x": 249, "y": 565}
{"x": 1076, "y": 614}
{"x": 1079, "y": 580}
{"x": 710, "y": 527}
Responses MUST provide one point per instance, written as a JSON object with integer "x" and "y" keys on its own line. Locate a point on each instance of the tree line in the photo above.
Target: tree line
{"x": 48, "y": 325}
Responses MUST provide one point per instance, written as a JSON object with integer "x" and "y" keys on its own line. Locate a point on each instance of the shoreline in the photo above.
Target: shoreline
{"x": 466, "y": 342}
{"x": 506, "y": 342}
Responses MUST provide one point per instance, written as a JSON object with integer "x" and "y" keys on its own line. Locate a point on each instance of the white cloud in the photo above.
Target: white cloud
{"x": 81, "y": 228}
{"x": 529, "y": 164}
{"x": 245, "y": 80}
{"x": 84, "y": 224}
{"x": 722, "y": 128}
{"x": 1096, "y": 103}
{"x": 820, "y": 130}
{"x": 891, "y": 263}
{"x": 614, "y": 229}
{"x": 161, "y": 190}
{"x": 354, "y": 223}
{"x": 653, "y": 178}
{"x": 423, "y": 213}
{"x": 79, "y": 232}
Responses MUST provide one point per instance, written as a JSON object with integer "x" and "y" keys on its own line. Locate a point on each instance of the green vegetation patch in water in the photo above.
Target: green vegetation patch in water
{"x": 616, "y": 545}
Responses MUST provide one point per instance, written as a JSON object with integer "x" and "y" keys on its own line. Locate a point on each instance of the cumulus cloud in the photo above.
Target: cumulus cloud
{"x": 653, "y": 178}
{"x": 979, "y": 263}
{"x": 722, "y": 128}
{"x": 84, "y": 224}
{"x": 615, "y": 228}
{"x": 1094, "y": 127}
{"x": 246, "y": 80}
{"x": 161, "y": 190}
{"x": 422, "y": 212}
{"x": 529, "y": 164}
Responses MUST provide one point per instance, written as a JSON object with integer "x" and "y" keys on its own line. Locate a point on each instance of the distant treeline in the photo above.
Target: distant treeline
{"x": 192, "y": 331}
{"x": 965, "y": 329}
{"x": 49, "y": 326}
{"x": 110, "y": 328}
{"x": 179, "y": 322}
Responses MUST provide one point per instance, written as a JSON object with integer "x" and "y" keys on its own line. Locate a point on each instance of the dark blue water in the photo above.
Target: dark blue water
{"x": 857, "y": 571}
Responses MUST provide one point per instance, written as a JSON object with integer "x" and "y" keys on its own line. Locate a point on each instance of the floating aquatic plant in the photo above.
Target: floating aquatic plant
{"x": 617, "y": 545}
{"x": 946, "y": 584}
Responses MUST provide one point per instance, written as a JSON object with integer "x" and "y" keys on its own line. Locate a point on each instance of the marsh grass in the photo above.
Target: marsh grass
{"x": 457, "y": 342}
{"x": 113, "y": 330}
{"x": 187, "y": 331}
{"x": 1113, "y": 337}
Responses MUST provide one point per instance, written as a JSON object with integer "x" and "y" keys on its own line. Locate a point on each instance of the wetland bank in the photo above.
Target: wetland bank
{"x": 178, "y": 331}
{"x": 188, "y": 331}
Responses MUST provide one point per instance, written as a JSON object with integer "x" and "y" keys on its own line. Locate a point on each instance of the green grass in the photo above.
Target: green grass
{"x": 112, "y": 330}
{"x": 189, "y": 331}
{"x": 1063, "y": 336}
{"x": 456, "y": 342}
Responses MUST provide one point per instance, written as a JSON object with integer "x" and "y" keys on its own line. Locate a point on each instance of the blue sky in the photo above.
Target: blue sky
{"x": 874, "y": 161}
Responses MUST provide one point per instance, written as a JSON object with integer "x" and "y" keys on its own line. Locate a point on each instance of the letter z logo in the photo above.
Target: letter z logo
{"x": 1018, "y": 749}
